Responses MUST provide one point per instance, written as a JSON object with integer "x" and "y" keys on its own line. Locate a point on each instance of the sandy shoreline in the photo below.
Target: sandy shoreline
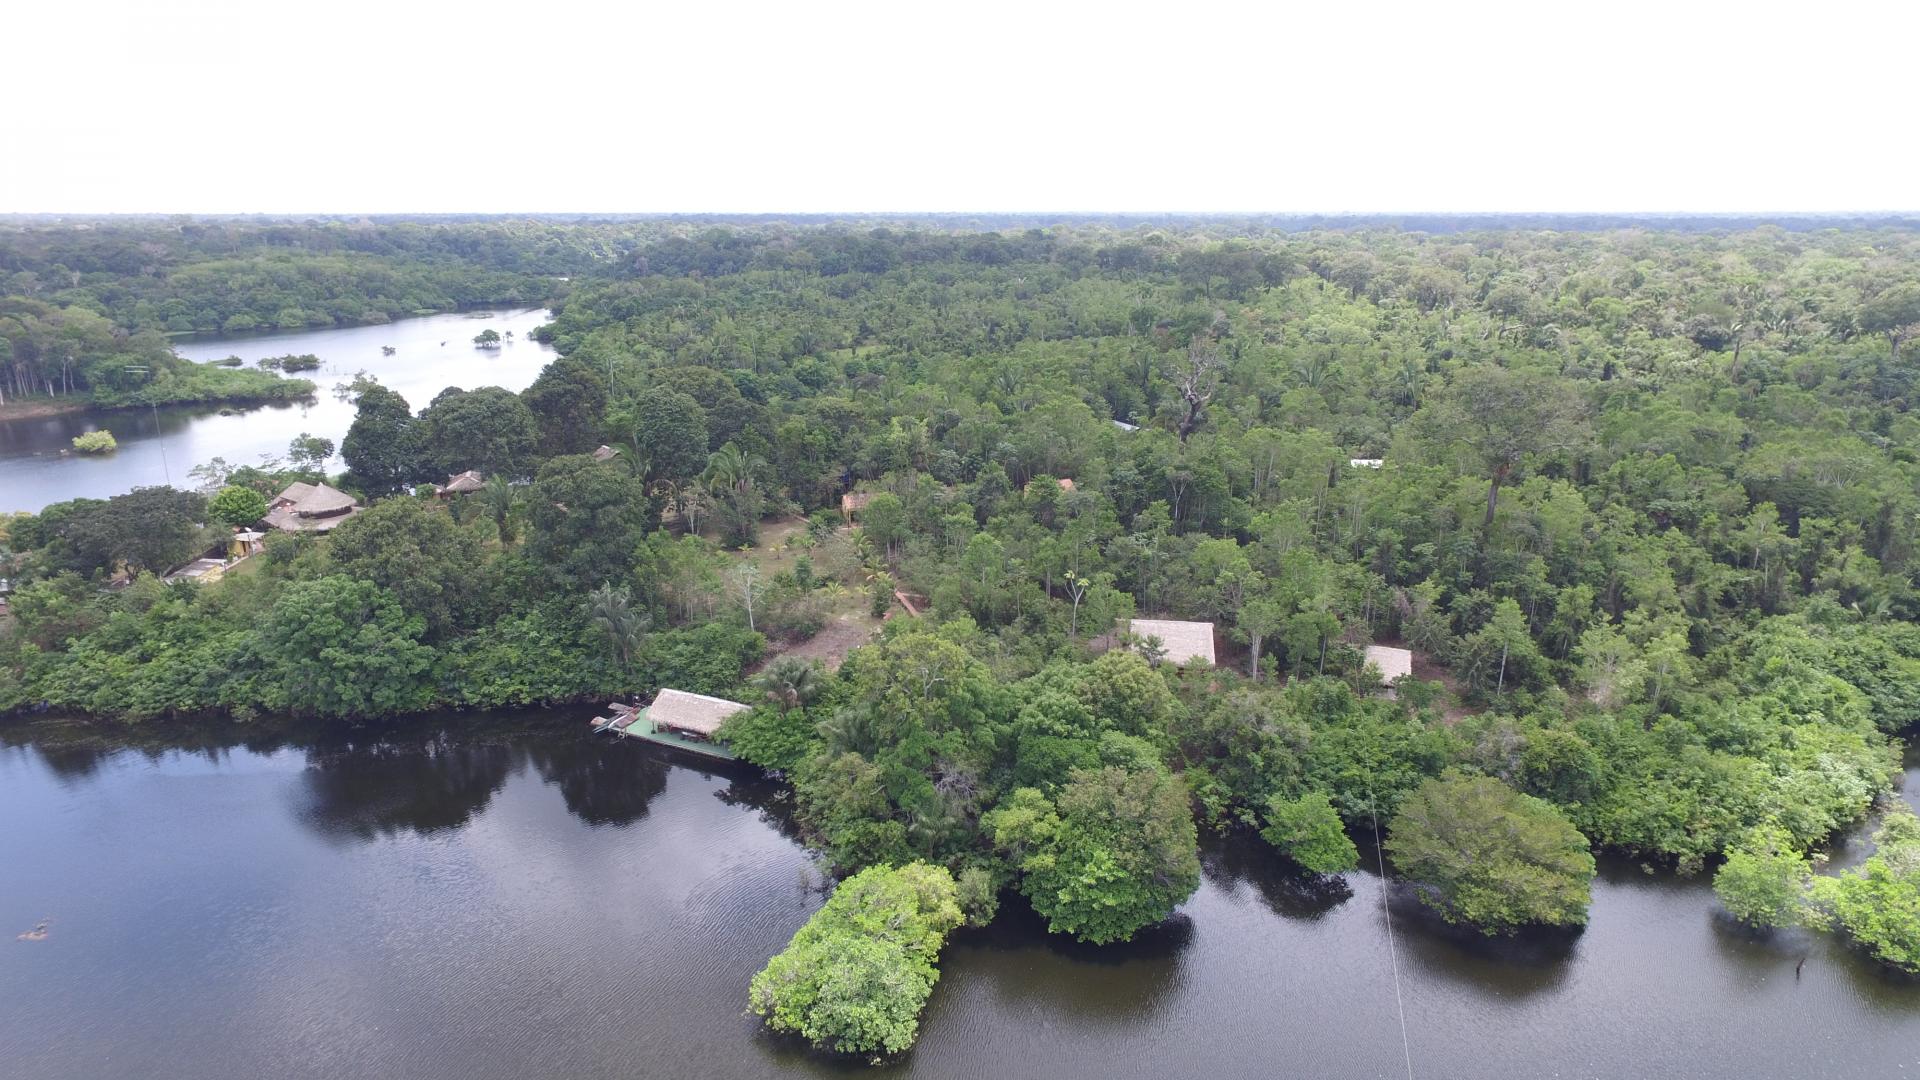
{"x": 38, "y": 408}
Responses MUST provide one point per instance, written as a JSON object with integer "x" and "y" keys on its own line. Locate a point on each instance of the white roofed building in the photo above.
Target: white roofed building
{"x": 1184, "y": 642}
{"x": 1393, "y": 663}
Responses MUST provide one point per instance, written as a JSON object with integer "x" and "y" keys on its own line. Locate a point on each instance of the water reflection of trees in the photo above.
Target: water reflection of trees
{"x": 771, "y": 799}
{"x": 74, "y": 750}
{"x": 368, "y": 785}
{"x": 1530, "y": 961}
{"x": 604, "y": 781}
{"x": 1289, "y": 892}
{"x": 1124, "y": 983}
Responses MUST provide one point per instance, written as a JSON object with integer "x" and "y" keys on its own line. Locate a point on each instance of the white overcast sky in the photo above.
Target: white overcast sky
{"x": 1190, "y": 105}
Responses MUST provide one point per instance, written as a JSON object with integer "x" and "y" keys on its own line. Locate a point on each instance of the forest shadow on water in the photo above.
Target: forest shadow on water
{"x": 1241, "y": 858}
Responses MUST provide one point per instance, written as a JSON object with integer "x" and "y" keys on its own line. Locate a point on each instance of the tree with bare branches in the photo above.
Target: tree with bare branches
{"x": 1199, "y": 380}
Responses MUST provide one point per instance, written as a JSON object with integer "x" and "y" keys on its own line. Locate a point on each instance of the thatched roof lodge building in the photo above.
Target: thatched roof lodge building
{"x": 694, "y": 715}
{"x": 310, "y": 508}
{"x": 1185, "y": 642}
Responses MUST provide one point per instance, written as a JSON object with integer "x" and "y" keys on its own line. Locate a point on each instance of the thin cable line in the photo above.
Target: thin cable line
{"x": 1393, "y": 954}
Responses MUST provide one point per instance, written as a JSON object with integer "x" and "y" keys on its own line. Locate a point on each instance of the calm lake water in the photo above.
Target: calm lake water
{"x": 430, "y": 354}
{"x": 513, "y": 898}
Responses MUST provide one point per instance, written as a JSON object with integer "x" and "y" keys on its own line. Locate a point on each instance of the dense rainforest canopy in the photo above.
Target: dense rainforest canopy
{"x": 1642, "y": 502}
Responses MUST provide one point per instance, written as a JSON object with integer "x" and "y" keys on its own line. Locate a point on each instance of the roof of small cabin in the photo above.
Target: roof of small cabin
{"x": 249, "y": 536}
{"x": 1184, "y": 641}
{"x": 855, "y": 500}
{"x": 692, "y": 712}
{"x": 463, "y": 483}
{"x": 1366, "y": 462}
{"x": 1124, "y": 426}
{"x": 1066, "y": 484}
{"x": 606, "y": 453}
{"x": 1393, "y": 663}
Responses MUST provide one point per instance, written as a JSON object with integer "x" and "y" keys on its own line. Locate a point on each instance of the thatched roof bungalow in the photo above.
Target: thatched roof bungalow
{"x": 310, "y": 508}
{"x": 690, "y": 714}
{"x": 1185, "y": 642}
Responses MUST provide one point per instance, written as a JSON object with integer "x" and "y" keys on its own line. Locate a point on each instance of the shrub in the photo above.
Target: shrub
{"x": 96, "y": 442}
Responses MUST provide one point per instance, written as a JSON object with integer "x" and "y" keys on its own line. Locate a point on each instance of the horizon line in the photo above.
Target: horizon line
{"x": 956, "y": 213}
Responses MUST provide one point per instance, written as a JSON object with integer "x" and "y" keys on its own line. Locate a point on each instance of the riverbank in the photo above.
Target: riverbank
{"x": 255, "y": 392}
{"x": 40, "y": 408}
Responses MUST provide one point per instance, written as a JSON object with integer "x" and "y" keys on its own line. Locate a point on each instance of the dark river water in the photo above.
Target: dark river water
{"x": 512, "y": 898}
{"x": 430, "y": 354}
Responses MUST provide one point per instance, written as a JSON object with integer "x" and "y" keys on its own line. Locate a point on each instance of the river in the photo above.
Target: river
{"x": 510, "y": 897}
{"x": 431, "y": 353}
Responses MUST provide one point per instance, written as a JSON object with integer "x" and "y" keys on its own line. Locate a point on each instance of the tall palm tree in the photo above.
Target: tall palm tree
{"x": 790, "y": 682}
{"x": 730, "y": 469}
{"x": 498, "y": 497}
{"x": 611, "y": 609}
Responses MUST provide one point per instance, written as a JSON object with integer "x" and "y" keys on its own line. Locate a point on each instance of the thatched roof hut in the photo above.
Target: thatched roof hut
{"x": 310, "y": 508}
{"x": 1185, "y": 642}
{"x": 465, "y": 483}
{"x": 692, "y": 714}
{"x": 853, "y": 502}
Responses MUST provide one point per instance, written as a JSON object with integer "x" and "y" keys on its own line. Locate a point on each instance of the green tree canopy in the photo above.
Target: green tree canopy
{"x": 383, "y": 446}
{"x": 489, "y": 429}
{"x": 1765, "y": 880}
{"x": 568, "y": 401}
{"x": 668, "y": 433}
{"x": 413, "y": 550}
{"x": 1487, "y": 856}
{"x": 1116, "y": 852}
{"x": 1878, "y": 903}
{"x": 237, "y": 506}
{"x": 856, "y": 976}
{"x": 1309, "y": 831}
{"x": 587, "y": 521}
{"x": 340, "y": 647}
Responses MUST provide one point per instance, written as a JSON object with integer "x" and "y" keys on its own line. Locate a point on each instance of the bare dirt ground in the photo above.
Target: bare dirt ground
{"x": 849, "y": 626}
{"x": 842, "y": 634}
